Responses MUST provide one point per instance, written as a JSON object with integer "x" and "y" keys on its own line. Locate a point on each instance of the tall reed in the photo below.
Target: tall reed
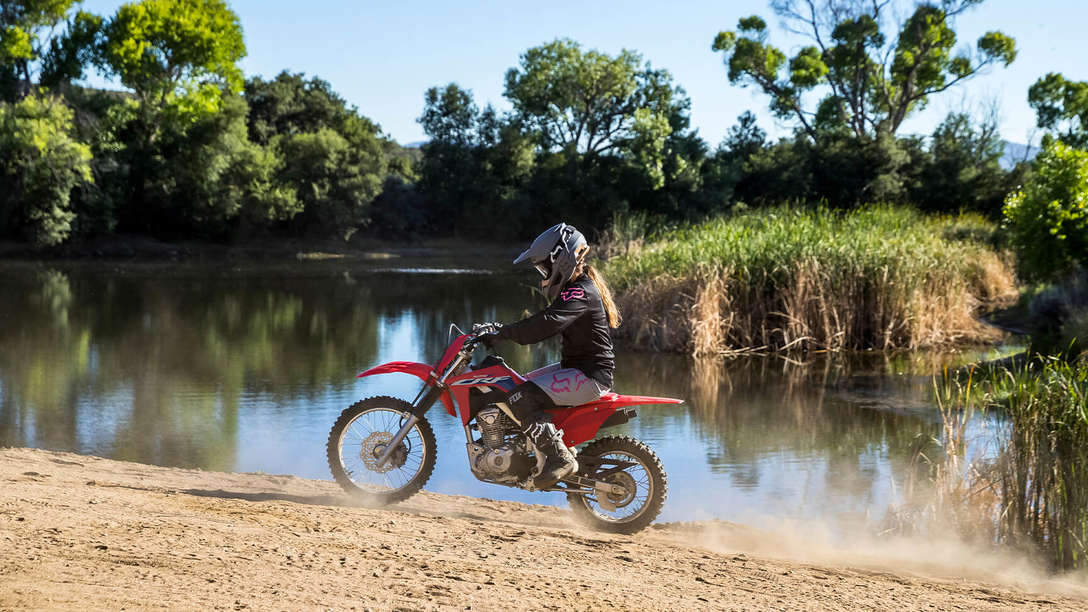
{"x": 1038, "y": 474}
{"x": 1044, "y": 467}
{"x": 789, "y": 278}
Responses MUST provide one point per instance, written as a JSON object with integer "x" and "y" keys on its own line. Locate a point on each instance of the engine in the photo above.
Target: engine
{"x": 499, "y": 455}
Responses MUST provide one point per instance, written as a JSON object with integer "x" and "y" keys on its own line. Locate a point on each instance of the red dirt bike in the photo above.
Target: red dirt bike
{"x": 382, "y": 449}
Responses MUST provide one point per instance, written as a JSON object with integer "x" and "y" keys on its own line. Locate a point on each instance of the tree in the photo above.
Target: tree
{"x": 73, "y": 52}
{"x": 963, "y": 170}
{"x": 40, "y": 164}
{"x": 1061, "y": 106}
{"x": 1048, "y": 218}
{"x": 179, "y": 57}
{"x": 589, "y": 102}
{"x": 474, "y": 166}
{"x": 176, "y": 54}
{"x": 449, "y": 116}
{"x": 291, "y": 104}
{"x": 869, "y": 85}
{"x": 336, "y": 181}
{"x": 26, "y": 28}
{"x": 333, "y": 158}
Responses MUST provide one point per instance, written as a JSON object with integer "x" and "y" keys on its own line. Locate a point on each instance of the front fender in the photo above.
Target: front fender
{"x": 421, "y": 371}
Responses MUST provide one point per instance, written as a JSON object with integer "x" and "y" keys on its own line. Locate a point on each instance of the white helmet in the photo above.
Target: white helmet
{"x": 555, "y": 253}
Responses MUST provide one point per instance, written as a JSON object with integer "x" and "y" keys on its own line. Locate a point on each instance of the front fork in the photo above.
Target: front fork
{"x": 426, "y": 398}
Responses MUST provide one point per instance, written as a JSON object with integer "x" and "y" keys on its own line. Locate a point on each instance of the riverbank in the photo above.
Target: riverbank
{"x": 88, "y": 533}
{"x": 142, "y": 248}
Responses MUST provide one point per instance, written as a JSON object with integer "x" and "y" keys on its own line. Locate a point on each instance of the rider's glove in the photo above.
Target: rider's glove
{"x": 486, "y": 329}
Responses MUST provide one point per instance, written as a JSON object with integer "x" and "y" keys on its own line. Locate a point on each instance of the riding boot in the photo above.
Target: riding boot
{"x": 559, "y": 462}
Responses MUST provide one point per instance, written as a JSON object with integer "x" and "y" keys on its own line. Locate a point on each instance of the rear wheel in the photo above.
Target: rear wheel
{"x": 624, "y": 461}
{"x": 359, "y": 438}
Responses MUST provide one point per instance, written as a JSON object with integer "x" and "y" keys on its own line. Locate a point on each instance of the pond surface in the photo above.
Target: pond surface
{"x": 245, "y": 368}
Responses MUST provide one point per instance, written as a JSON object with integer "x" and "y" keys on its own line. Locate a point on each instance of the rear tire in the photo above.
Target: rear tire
{"x": 642, "y": 505}
{"x": 356, "y": 440}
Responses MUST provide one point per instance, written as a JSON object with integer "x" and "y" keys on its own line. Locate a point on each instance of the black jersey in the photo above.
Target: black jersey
{"x": 579, "y": 313}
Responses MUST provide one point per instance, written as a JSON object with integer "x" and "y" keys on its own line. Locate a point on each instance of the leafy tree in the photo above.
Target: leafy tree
{"x": 725, "y": 169}
{"x": 255, "y": 179}
{"x": 103, "y": 120}
{"x": 333, "y": 158}
{"x": 1048, "y": 218}
{"x": 1061, "y": 106}
{"x": 474, "y": 167}
{"x": 179, "y": 55}
{"x": 71, "y": 53}
{"x": 869, "y": 84}
{"x": 744, "y": 139}
{"x": 963, "y": 169}
{"x": 40, "y": 164}
{"x": 336, "y": 180}
{"x": 449, "y": 116}
{"x": 291, "y": 104}
{"x": 26, "y": 27}
{"x": 590, "y": 102}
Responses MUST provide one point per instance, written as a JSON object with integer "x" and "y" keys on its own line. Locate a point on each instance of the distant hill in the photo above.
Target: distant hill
{"x": 1016, "y": 153}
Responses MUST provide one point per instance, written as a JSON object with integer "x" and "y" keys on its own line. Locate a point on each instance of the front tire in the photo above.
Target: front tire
{"x": 645, "y": 480}
{"x": 358, "y": 438}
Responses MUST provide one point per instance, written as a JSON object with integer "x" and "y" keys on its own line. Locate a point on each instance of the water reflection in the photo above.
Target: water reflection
{"x": 246, "y": 368}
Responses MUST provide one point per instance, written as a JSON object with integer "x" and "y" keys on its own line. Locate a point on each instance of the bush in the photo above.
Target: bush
{"x": 1048, "y": 218}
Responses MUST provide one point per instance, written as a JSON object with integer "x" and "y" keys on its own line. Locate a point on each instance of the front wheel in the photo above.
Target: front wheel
{"x": 360, "y": 437}
{"x": 624, "y": 461}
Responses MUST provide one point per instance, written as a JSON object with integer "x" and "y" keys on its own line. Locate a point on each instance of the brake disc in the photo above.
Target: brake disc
{"x": 373, "y": 447}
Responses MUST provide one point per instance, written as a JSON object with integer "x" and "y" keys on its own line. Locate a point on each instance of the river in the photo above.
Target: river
{"x": 245, "y": 366}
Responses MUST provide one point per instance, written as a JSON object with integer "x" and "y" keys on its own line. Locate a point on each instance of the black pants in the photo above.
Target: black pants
{"x": 528, "y": 403}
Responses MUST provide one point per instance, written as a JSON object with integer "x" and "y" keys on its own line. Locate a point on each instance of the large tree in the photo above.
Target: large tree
{"x": 590, "y": 102}
{"x": 334, "y": 158}
{"x": 868, "y": 83}
{"x": 181, "y": 54}
{"x": 473, "y": 167}
{"x": 187, "y": 122}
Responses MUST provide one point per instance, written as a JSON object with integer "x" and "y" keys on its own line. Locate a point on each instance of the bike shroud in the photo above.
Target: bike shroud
{"x": 383, "y": 449}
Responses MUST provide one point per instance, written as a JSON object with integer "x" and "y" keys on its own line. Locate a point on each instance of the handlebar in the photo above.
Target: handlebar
{"x": 483, "y": 333}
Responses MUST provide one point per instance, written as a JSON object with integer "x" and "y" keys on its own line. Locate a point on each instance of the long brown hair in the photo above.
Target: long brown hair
{"x": 610, "y": 309}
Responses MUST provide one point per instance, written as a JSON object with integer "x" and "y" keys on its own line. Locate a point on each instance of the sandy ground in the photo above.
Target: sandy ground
{"x": 80, "y": 532}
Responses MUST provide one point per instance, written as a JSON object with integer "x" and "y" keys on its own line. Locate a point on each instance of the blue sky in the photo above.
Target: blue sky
{"x": 382, "y": 56}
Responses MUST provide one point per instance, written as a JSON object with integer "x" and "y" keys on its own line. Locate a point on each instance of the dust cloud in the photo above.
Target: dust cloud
{"x": 936, "y": 555}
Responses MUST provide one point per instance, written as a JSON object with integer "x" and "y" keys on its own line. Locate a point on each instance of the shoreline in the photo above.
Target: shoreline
{"x": 141, "y": 249}
{"x": 84, "y": 532}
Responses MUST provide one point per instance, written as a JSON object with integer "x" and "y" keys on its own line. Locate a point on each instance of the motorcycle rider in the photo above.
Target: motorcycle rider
{"x": 582, "y": 310}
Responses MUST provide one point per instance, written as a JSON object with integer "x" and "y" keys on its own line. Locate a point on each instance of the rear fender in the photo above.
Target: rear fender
{"x": 581, "y": 423}
{"x": 421, "y": 371}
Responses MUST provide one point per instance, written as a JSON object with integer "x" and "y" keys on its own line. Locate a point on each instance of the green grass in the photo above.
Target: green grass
{"x": 879, "y": 277}
{"x": 776, "y": 240}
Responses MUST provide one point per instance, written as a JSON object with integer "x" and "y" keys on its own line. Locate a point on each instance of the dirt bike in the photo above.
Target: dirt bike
{"x": 382, "y": 449}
